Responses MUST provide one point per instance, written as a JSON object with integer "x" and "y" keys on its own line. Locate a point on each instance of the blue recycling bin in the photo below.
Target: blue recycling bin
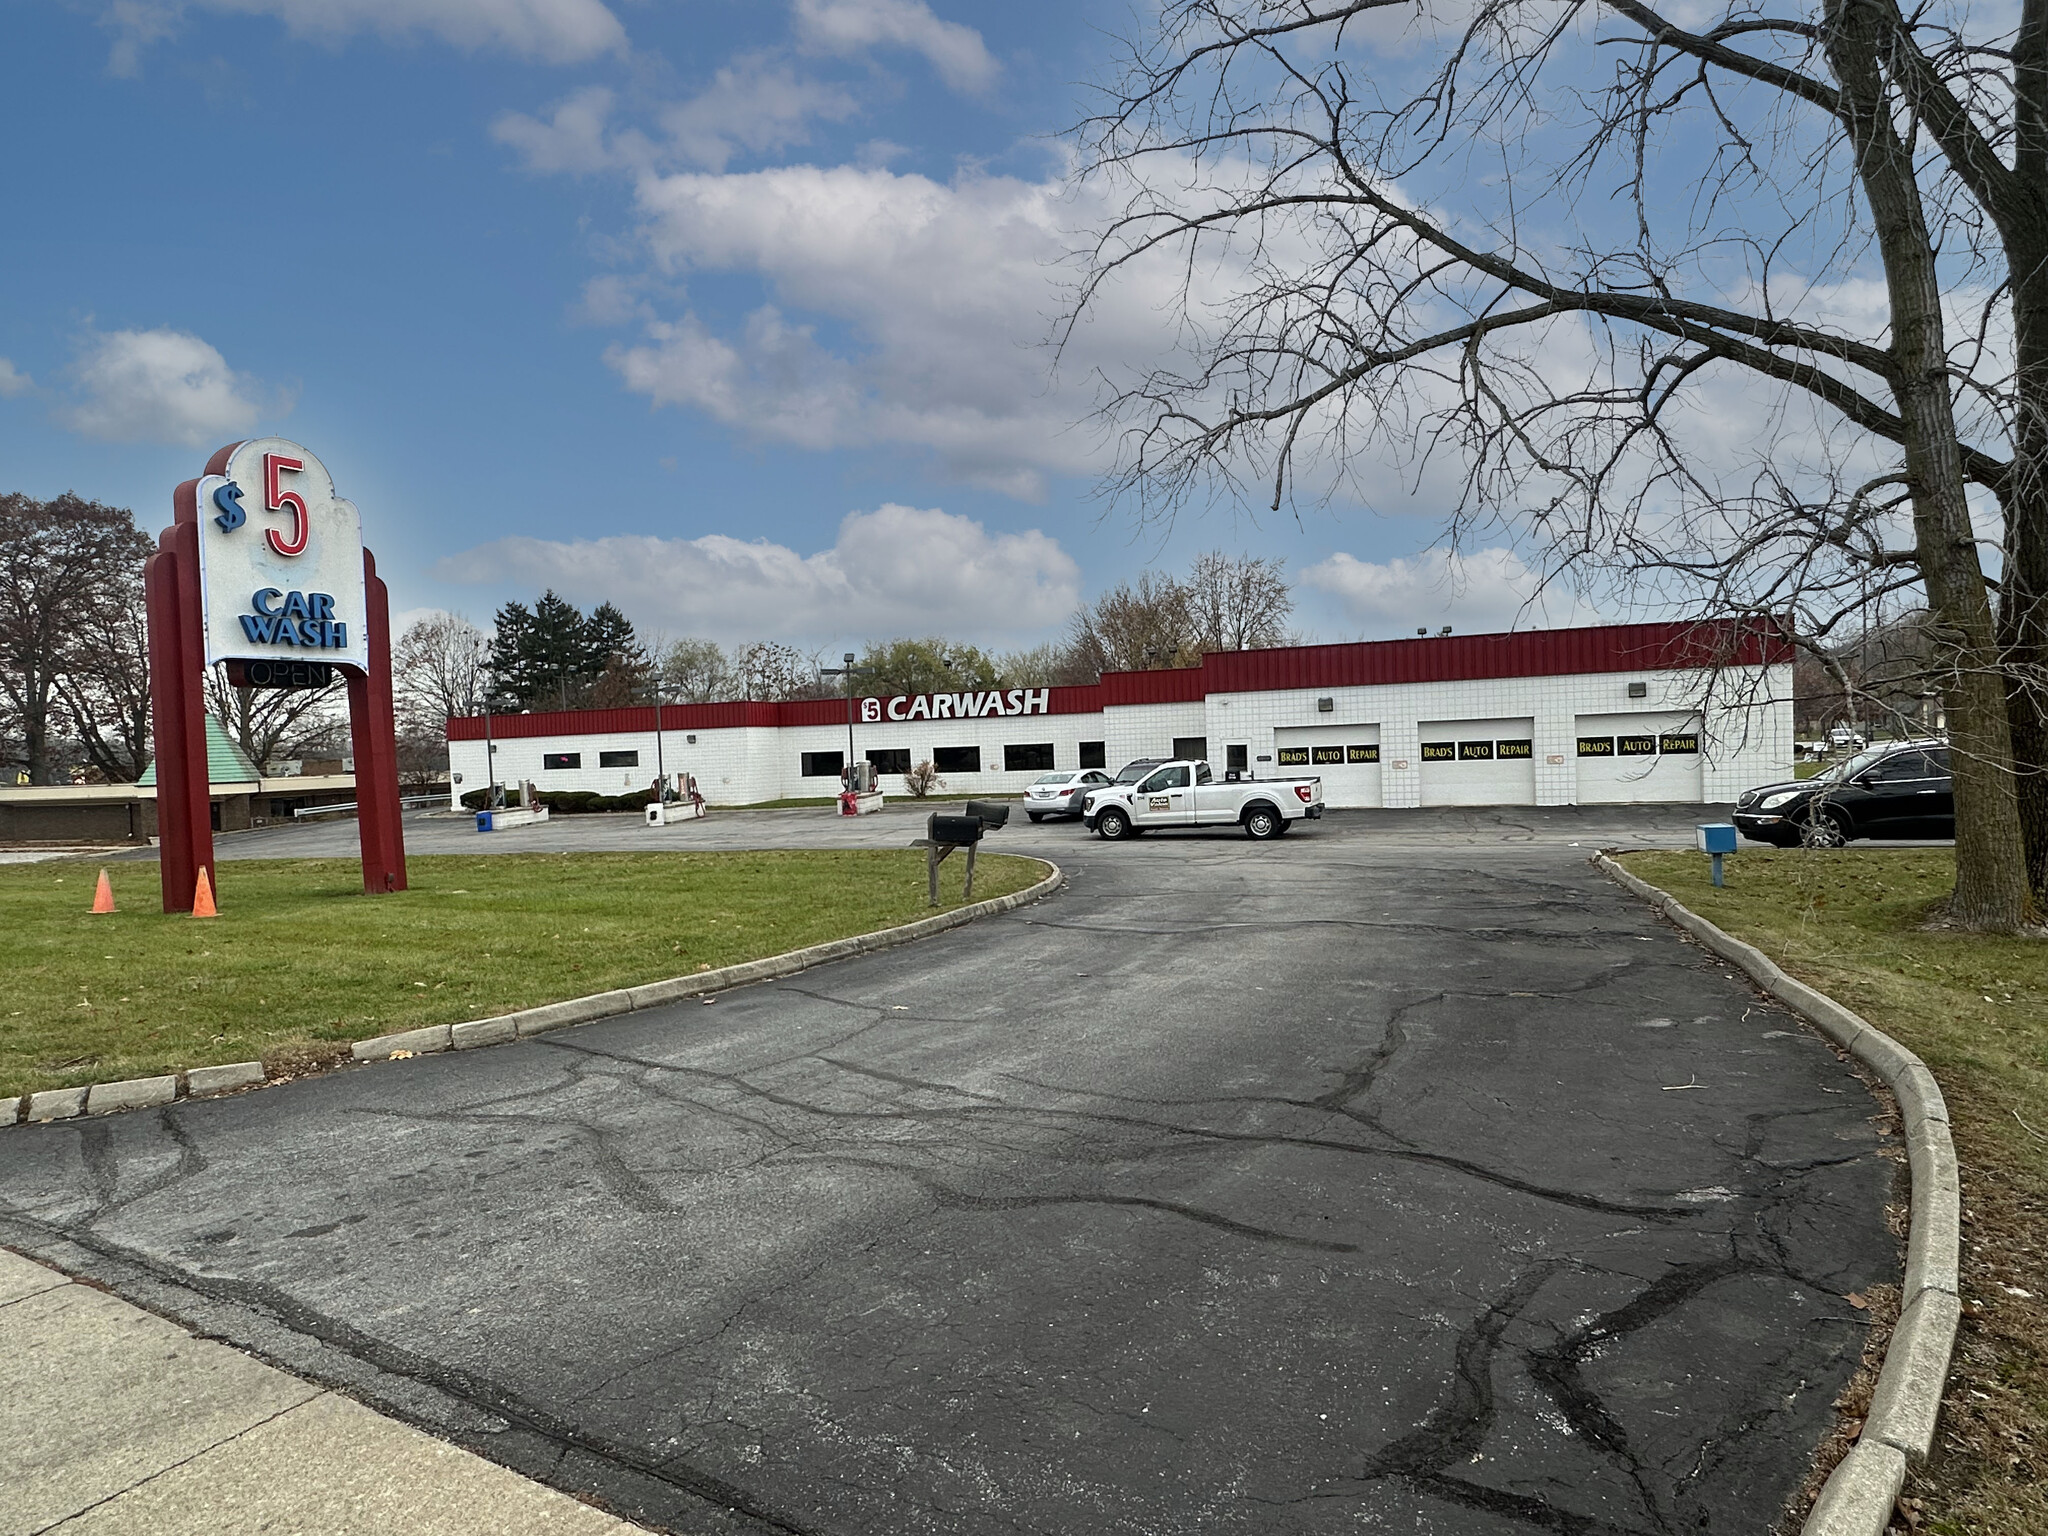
{"x": 483, "y": 821}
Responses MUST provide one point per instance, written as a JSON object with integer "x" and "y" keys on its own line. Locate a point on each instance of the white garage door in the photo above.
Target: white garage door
{"x": 1478, "y": 762}
{"x": 1345, "y": 757}
{"x": 1653, "y": 755}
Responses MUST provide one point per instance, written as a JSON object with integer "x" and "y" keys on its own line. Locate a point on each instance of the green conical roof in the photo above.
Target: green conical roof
{"x": 226, "y": 763}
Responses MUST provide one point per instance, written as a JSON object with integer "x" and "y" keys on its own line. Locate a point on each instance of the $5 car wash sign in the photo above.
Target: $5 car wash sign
{"x": 263, "y": 572}
{"x": 280, "y": 560}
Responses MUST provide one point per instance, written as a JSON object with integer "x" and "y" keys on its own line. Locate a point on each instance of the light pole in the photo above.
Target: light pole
{"x": 846, "y": 672}
{"x": 660, "y": 767}
{"x": 490, "y": 758}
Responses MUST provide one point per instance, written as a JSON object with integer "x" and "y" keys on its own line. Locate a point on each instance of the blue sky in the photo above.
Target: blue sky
{"x": 731, "y": 312}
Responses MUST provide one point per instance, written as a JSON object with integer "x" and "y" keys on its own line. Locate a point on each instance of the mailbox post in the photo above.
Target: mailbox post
{"x": 1716, "y": 838}
{"x": 944, "y": 833}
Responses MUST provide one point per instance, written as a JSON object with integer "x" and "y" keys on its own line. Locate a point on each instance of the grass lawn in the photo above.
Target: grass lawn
{"x": 1975, "y": 1009}
{"x": 300, "y": 961}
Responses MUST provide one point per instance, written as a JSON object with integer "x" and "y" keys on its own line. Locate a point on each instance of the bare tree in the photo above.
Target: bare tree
{"x": 771, "y": 671}
{"x": 438, "y": 672}
{"x": 105, "y": 689}
{"x": 1135, "y": 626}
{"x": 65, "y": 566}
{"x": 1238, "y": 602}
{"x": 693, "y": 671}
{"x": 273, "y": 725}
{"x": 1737, "y": 313}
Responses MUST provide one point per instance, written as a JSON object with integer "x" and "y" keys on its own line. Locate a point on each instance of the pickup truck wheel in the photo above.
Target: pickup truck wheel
{"x": 1262, "y": 822}
{"x": 1113, "y": 825}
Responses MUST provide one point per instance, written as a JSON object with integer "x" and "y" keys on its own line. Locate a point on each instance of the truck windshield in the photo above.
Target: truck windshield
{"x": 1136, "y": 771}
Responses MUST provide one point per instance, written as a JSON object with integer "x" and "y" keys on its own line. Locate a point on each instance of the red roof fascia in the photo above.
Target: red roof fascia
{"x": 1168, "y": 685}
{"x": 1529, "y": 653}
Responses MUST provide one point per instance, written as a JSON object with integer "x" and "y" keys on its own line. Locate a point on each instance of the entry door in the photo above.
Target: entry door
{"x": 1166, "y": 799}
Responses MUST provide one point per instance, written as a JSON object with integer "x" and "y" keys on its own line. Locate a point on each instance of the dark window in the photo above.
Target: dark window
{"x": 824, "y": 765}
{"x": 1293, "y": 757}
{"x": 1237, "y": 756}
{"x": 1525, "y": 750}
{"x": 1027, "y": 757}
{"x": 1894, "y": 770}
{"x": 1439, "y": 751}
{"x": 1166, "y": 778}
{"x": 1094, "y": 754}
{"x": 1361, "y": 754}
{"x": 957, "y": 759}
{"x": 618, "y": 759}
{"x": 1475, "y": 751}
{"x": 561, "y": 760}
{"x": 1326, "y": 754}
{"x": 890, "y": 759}
{"x": 1191, "y": 746}
{"x": 1203, "y": 774}
{"x": 1596, "y": 746}
{"x": 1636, "y": 746}
{"x": 1938, "y": 761}
{"x": 1681, "y": 742}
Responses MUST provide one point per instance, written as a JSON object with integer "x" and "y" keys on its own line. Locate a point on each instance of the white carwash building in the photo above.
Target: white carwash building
{"x": 1674, "y": 713}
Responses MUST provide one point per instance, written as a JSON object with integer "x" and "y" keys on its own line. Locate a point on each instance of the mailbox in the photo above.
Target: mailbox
{"x": 990, "y": 813}
{"x": 1716, "y": 837}
{"x": 954, "y": 831}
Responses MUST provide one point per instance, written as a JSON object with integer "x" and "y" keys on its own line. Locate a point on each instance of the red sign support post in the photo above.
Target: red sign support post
{"x": 175, "y": 596}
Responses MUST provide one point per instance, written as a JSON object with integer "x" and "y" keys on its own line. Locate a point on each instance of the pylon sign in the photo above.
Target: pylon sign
{"x": 263, "y": 563}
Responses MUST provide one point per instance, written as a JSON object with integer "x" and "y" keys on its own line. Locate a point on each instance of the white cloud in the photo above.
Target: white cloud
{"x": 552, "y": 31}
{"x": 850, "y": 27}
{"x": 894, "y": 570}
{"x": 159, "y": 386}
{"x": 573, "y": 140}
{"x": 13, "y": 381}
{"x": 934, "y": 297}
{"x": 1486, "y": 590}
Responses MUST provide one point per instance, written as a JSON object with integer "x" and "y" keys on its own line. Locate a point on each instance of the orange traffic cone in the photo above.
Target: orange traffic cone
{"x": 103, "y": 894}
{"x": 202, "y": 897}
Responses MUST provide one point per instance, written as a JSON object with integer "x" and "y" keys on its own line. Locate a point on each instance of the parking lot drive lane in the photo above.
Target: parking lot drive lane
{"x": 1319, "y": 1185}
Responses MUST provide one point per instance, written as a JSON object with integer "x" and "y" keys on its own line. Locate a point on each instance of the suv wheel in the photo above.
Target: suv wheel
{"x": 1823, "y": 829}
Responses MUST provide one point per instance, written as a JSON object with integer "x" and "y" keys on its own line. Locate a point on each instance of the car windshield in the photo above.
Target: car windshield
{"x": 1052, "y": 778}
{"x": 1842, "y": 772}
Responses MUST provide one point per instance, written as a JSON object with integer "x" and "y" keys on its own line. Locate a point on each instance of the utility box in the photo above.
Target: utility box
{"x": 1716, "y": 837}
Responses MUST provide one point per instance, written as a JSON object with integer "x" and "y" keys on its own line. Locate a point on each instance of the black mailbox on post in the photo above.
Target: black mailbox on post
{"x": 991, "y": 813}
{"x": 954, "y": 831}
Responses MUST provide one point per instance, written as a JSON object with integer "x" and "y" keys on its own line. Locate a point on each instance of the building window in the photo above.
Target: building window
{"x": 1636, "y": 746}
{"x": 1027, "y": 757}
{"x": 1475, "y": 751}
{"x": 1596, "y": 746}
{"x": 1094, "y": 754}
{"x": 1326, "y": 755}
{"x": 1236, "y": 757}
{"x": 1293, "y": 757}
{"x": 561, "y": 760}
{"x": 1365, "y": 754}
{"x": 618, "y": 759}
{"x": 890, "y": 759}
{"x": 1679, "y": 742}
{"x": 957, "y": 759}
{"x": 824, "y": 765}
{"x": 1439, "y": 751}
{"x": 1515, "y": 749}
{"x": 1195, "y": 748}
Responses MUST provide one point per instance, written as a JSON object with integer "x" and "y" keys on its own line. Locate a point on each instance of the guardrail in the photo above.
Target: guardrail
{"x": 405, "y": 803}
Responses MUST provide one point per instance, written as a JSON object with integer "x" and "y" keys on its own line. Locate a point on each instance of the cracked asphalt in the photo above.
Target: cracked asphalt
{"x": 1403, "y": 1174}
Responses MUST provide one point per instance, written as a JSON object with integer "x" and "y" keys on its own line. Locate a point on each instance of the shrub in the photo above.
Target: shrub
{"x": 922, "y": 780}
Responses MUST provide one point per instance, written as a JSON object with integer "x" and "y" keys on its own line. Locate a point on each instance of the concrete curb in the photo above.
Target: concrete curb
{"x": 1898, "y": 1432}
{"x": 605, "y": 1005}
{"x": 105, "y": 1098}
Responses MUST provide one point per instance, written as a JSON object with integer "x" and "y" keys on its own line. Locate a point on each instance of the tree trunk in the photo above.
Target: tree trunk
{"x": 2023, "y": 607}
{"x": 1991, "y": 884}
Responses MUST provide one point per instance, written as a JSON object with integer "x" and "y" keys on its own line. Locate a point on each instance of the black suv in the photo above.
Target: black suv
{"x": 1899, "y": 789}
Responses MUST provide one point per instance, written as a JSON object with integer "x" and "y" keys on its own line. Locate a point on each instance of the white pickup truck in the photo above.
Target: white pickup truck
{"x": 1185, "y": 793}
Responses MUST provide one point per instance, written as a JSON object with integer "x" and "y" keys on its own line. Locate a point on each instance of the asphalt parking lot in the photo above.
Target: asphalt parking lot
{"x": 1400, "y": 1174}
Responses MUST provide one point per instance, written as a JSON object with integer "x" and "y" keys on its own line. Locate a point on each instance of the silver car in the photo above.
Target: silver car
{"x": 1061, "y": 794}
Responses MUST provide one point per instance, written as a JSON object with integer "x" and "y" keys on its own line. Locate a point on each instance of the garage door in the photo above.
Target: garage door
{"x": 1478, "y": 762}
{"x": 1635, "y": 758}
{"x": 1345, "y": 757}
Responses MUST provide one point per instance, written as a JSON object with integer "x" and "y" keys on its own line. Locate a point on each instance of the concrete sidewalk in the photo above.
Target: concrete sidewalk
{"x": 113, "y": 1420}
